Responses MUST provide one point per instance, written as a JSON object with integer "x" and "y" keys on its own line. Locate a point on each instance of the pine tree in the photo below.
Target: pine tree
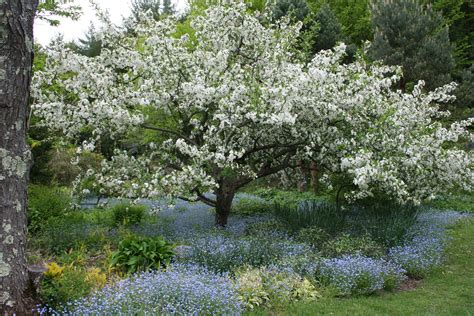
{"x": 89, "y": 46}
{"x": 330, "y": 31}
{"x": 415, "y": 37}
{"x": 168, "y": 7}
{"x": 142, "y": 6}
{"x": 296, "y": 9}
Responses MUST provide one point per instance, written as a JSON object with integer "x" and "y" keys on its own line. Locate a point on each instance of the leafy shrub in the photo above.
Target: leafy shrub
{"x": 62, "y": 234}
{"x": 63, "y": 171}
{"x": 314, "y": 236}
{"x": 251, "y": 206}
{"x": 126, "y": 214}
{"x": 264, "y": 228}
{"x": 288, "y": 198}
{"x": 45, "y": 203}
{"x": 346, "y": 244}
{"x": 385, "y": 221}
{"x": 179, "y": 290}
{"x": 137, "y": 253}
{"x": 360, "y": 275}
{"x": 312, "y": 213}
{"x": 272, "y": 286}
{"x": 306, "y": 265}
{"x": 61, "y": 284}
{"x": 225, "y": 254}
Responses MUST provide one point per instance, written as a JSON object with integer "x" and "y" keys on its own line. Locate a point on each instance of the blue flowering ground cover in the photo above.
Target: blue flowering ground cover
{"x": 226, "y": 271}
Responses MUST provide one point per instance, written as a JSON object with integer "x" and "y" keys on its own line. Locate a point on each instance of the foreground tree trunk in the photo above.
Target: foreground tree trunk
{"x": 224, "y": 197}
{"x": 16, "y": 53}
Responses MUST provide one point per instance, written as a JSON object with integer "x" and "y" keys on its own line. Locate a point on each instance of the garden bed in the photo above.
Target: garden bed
{"x": 267, "y": 258}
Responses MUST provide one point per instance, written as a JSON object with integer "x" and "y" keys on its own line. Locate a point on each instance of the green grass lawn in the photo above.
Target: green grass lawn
{"x": 449, "y": 291}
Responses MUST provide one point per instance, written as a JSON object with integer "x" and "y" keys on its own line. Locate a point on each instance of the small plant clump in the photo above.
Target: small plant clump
{"x": 127, "y": 214}
{"x": 136, "y": 253}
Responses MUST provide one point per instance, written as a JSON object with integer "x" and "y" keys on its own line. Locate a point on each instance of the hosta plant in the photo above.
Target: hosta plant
{"x": 136, "y": 253}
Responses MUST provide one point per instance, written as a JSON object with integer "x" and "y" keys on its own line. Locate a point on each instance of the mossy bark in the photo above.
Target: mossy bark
{"x": 16, "y": 56}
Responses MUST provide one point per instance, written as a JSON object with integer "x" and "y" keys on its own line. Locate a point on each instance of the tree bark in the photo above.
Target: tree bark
{"x": 16, "y": 56}
{"x": 224, "y": 197}
{"x": 314, "y": 176}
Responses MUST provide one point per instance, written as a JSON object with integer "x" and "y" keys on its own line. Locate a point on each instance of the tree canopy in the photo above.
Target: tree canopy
{"x": 238, "y": 105}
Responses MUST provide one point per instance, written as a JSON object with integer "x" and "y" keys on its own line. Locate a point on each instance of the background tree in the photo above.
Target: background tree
{"x": 142, "y": 6}
{"x": 354, "y": 16}
{"x": 329, "y": 32}
{"x": 298, "y": 10}
{"x": 168, "y": 7}
{"x": 415, "y": 37}
{"x": 459, "y": 16}
{"x": 156, "y": 7}
{"x": 16, "y": 57}
{"x": 89, "y": 46}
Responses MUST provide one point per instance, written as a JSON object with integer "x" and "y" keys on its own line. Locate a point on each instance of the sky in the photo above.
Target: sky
{"x": 72, "y": 30}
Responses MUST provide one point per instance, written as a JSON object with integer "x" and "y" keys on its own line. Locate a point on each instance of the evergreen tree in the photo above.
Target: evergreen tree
{"x": 89, "y": 46}
{"x": 459, "y": 16}
{"x": 141, "y": 6}
{"x": 330, "y": 31}
{"x": 414, "y": 37}
{"x": 168, "y": 7}
{"x": 354, "y": 16}
{"x": 297, "y": 9}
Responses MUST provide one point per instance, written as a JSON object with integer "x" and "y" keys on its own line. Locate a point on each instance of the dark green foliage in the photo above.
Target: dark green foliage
{"x": 245, "y": 206}
{"x": 137, "y": 253}
{"x": 90, "y": 46}
{"x": 315, "y": 236}
{"x": 464, "y": 92}
{"x": 127, "y": 214}
{"x": 59, "y": 235}
{"x": 354, "y": 16}
{"x": 41, "y": 154}
{"x": 296, "y": 9}
{"x": 168, "y": 7}
{"x": 384, "y": 221}
{"x": 346, "y": 244}
{"x": 330, "y": 31}
{"x": 312, "y": 213}
{"x": 414, "y": 37}
{"x": 459, "y": 16}
{"x": 46, "y": 203}
{"x": 265, "y": 228}
{"x": 292, "y": 198}
{"x": 156, "y": 7}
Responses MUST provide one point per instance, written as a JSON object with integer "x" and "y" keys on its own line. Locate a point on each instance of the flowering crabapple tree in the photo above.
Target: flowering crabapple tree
{"x": 231, "y": 103}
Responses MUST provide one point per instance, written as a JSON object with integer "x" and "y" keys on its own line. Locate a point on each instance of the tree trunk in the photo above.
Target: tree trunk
{"x": 224, "y": 197}
{"x": 314, "y": 176}
{"x": 303, "y": 176}
{"x": 16, "y": 52}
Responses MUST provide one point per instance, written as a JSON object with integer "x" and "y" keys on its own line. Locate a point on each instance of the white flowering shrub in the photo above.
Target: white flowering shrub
{"x": 233, "y": 104}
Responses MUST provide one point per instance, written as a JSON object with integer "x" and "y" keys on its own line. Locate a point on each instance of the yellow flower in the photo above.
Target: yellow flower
{"x": 96, "y": 277}
{"x": 54, "y": 270}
